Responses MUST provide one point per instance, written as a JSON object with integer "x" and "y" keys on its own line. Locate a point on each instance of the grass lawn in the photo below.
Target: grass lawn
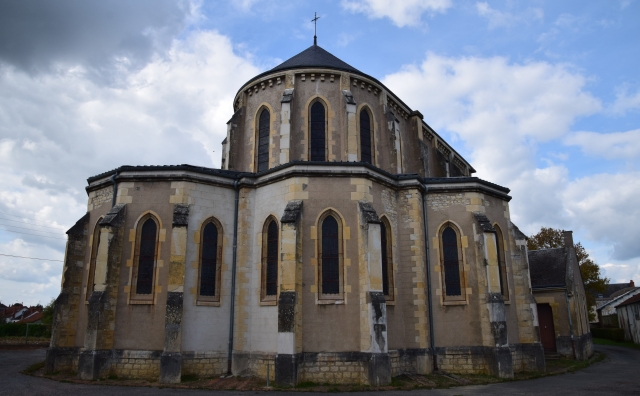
{"x": 602, "y": 341}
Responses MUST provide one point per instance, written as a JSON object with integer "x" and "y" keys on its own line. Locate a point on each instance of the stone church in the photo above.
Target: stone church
{"x": 342, "y": 240}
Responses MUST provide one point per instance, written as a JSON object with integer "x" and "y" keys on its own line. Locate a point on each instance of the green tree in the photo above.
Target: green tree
{"x": 594, "y": 283}
{"x": 47, "y": 312}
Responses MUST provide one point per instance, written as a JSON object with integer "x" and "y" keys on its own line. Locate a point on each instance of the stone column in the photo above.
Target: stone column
{"x": 289, "y": 302}
{"x": 68, "y": 303}
{"x": 373, "y": 319}
{"x": 352, "y": 130}
{"x": 502, "y": 362}
{"x": 285, "y": 126}
{"x": 171, "y": 359}
{"x": 95, "y": 360}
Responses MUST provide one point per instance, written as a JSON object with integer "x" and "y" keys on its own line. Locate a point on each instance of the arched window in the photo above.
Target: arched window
{"x": 210, "y": 261}
{"x": 146, "y": 257}
{"x": 317, "y": 128}
{"x": 263, "y": 140}
{"x": 365, "y": 137}
{"x": 330, "y": 257}
{"x": 502, "y": 265}
{"x": 270, "y": 250}
{"x": 95, "y": 244}
{"x": 452, "y": 263}
{"x": 387, "y": 259}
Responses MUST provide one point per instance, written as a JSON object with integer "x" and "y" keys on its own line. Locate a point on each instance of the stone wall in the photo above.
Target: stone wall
{"x": 333, "y": 368}
{"x": 136, "y": 364}
{"x": 204, "y": 364}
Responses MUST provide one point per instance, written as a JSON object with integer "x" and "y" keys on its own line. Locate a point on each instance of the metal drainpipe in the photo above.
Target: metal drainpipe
{"x": 233, "y": 276}
{"x": 428, "y": 264}
{"x": 115, "y": 188}
{"x": 573, "y": 346}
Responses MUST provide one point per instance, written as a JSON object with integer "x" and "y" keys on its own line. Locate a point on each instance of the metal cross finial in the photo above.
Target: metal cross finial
{"x": 315, "y": 27}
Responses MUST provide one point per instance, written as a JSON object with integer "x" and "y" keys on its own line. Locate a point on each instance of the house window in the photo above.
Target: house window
{"x": 263, "y": 140}
{"x": 95, "y": 243}
{"x": 365, "y": 137}
{"x": 146, "y": 256}
{"x": 330, "y": 257}
{"x": 270, "y": 250}
{"x": 387, "y": 259}
{"x": 317, "y": 128}
{"x": 452, "y": 263}
{"x": 502, "y": 264}
{"x": 210, "y": 261}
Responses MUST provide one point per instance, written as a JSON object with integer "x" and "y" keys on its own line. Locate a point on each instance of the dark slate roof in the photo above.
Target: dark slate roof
{"x": 548, "y": 267}
{"x": 633, "y": 300}
{"x": 614, "y": 288}
{"x": 315, "y": 57}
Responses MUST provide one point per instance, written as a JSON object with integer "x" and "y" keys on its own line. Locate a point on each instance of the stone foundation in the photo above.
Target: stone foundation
{"x": 527, "y": 357}
{"x": 61, "y": 359}
{"x": 204, "y": 364}
{"x": 410, "y": 361}
{"x": 254, "y": 363}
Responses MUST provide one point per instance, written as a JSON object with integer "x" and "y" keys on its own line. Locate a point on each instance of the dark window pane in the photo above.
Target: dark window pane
{"x": 451, "y": 264}
{"x": 263, "y": 141}
{"x": 500, "y": 263}
{"x": 208, "y": 257}
{"x": 318, "y": 132}
{"x": 146, "y": 260}
{"x": 272, "y": 259}
{"x": 330, "y": 256}
{"x": 385, "y": 259}
{"x": 365, "y": 137}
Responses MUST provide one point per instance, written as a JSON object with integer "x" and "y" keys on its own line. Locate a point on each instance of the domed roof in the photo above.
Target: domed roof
{"x": 315, "y": 57}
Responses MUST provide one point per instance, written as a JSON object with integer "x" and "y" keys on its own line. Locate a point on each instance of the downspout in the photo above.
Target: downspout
{"x": 432, "y": 342}
{"x": 233, "y": 276}
{"x": 573, "y": 346}
{"x": 115, "y": 188}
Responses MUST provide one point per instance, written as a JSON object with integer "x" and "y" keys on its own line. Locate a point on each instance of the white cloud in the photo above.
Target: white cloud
{"x": 498, "y": 18}
{"x": 401, "y": 12}
{"x": 58, "y": 129}
{"x": 624, "y": 102}
{"x": 612, "y": 145}
{"x": 501, "y": 111}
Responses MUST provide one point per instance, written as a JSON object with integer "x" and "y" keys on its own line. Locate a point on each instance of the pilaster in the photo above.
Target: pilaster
{"x": 289, "y": 301}
{"x": 95, "y": 359}
{"x": 171, "y": 359}
{"x": 352, "y": 130}
{"x": 285, "y": 126}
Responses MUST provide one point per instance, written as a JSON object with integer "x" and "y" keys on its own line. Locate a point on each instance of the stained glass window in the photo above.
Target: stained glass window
{"x": 365, "y": 137}
{"x": 318, "y": 132}
{"x": 147, "y": 257}
{"x": 451, "y": 262}
{"x": 263, "y": 140}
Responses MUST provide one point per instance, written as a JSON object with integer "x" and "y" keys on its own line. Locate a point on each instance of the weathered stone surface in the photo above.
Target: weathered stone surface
{"x": 292, "y": 211}
{"x": 115, "y": 217}
{"x": 483, "y": 222}
{"x": 180, "y": 215}
{"x": 369, "y": 213}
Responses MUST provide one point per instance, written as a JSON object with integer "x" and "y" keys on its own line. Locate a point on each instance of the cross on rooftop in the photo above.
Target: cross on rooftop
{"x": 315, "y": 26}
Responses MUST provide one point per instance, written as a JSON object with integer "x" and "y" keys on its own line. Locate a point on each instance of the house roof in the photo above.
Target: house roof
{"x": 548, "y": 267}
{"x": 315, "y": 57}
{"x": 620, "y": 299}
{"x": 614, "y": 288}
{"x": 32, "y": 317}
{"x": 633, "y": 300}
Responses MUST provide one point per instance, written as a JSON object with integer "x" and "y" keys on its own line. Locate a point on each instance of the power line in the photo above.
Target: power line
{"x": 32, "y": 258}
{"x": 24, "y": 228}
{"x": 25, "y": 222}
{"x": 18, "y": 232}
{"x": 21, "y": 217}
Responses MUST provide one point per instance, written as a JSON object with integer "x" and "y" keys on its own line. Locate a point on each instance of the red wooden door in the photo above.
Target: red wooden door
{"x": 547, "y": 332}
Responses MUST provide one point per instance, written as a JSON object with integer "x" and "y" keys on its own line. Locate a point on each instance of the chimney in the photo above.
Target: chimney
{"x": 567, "y": 237}
{"x": 631, "y": 284}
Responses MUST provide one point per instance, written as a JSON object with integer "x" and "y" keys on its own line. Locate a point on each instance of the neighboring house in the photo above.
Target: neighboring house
{"x": 10, "y": 312}
{"x": 607, "y": 312}
{"x": 613, "y": 290}
{"x": 629, "y": 318}
{"x": 561, "y": 301}
{"x": 31, "y": 317}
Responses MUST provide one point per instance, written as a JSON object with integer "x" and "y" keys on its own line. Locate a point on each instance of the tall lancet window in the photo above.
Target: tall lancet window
{"x": 451, "y": 261}
{"x": 147, "y": 257}
{"x": 387, "y": 259}
{"x": 263, "y": 140}
{"x": 317, "y": 127}
{"x": 365, "y": 137}
{"x": 270, "y": 252}
{"x": 330, "y": 256}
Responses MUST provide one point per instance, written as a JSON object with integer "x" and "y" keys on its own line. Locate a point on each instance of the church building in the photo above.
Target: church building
{"x": 342, "y": 241}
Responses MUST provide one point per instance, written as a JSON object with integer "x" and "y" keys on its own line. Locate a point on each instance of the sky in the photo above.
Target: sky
{"x": 540, "y": 96}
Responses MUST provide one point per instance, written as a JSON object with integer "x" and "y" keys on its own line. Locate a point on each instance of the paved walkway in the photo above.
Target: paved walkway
{"x": 618, "y": 374}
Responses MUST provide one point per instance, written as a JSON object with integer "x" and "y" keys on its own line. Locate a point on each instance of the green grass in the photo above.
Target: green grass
{"x": 306, "y": 384}
{"x": 189, "y": 378}
{"x": 602, "y": 341}
{"x": 33, "y": 368}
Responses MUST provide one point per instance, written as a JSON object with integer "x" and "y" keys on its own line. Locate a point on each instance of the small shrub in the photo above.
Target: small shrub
{"x": 33, "y": 368}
